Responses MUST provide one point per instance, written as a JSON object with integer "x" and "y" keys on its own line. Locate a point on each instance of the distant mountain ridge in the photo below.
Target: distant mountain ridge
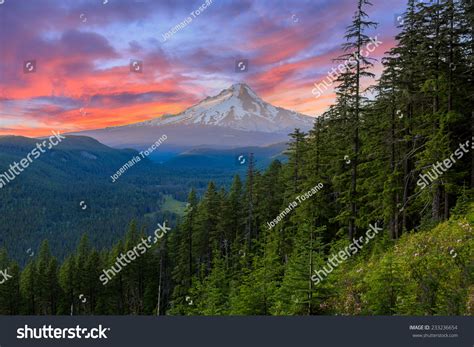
{"x": 228, "y": 158}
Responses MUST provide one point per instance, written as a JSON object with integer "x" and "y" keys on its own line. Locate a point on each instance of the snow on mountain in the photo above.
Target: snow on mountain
{"x": 234, "y": 118}
{"x": 239, "y": 108}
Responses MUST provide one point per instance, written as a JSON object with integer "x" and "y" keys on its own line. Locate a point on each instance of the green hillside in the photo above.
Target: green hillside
{"x": 425, "y": 273}
{"x": 63, "y": 193}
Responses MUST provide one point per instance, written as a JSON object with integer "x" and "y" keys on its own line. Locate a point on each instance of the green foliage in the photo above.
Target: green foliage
{"x": 426, "y": 273}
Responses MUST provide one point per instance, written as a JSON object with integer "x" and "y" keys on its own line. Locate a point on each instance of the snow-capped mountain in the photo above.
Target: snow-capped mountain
{"x": 239, "y": 108}
{"x": 236, "y": 117}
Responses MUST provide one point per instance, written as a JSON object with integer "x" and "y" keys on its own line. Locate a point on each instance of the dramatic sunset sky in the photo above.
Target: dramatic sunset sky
{"x": 83, "y": 51}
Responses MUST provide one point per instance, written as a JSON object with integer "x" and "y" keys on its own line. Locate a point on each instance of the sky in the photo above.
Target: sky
{"x": 69, "y": 65}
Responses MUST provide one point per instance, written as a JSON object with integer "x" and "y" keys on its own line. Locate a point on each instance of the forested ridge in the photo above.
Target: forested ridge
{"x": 42, "y": 203}
{"x": 368, "y": 154}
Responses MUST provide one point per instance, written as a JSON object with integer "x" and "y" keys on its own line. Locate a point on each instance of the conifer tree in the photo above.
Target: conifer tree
{"x": 349, "y": 93}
